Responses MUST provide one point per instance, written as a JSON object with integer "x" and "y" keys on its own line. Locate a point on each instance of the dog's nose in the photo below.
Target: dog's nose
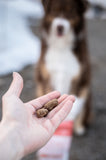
{"x": 60, "y": 29}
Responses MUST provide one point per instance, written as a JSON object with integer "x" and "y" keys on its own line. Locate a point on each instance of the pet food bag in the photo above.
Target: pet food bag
{"x": 58, "y": 148}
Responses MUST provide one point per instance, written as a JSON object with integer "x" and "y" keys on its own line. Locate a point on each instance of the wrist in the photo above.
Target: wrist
{"x": 10, "y": 142}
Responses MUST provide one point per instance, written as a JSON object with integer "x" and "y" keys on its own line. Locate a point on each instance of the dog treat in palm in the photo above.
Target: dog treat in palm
{"x": 51, "y": 104}
{"x": 46, "y": 108}
{"x": 41, "y": 112}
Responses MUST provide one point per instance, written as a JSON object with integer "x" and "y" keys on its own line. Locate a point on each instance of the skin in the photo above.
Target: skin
{"x": 21, "y": 132}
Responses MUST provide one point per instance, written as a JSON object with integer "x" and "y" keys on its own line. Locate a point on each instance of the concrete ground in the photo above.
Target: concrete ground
{"x": 93, "y": 145}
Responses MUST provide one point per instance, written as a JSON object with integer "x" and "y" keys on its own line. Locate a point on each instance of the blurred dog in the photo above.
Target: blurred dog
{"x": 64, "y": 61}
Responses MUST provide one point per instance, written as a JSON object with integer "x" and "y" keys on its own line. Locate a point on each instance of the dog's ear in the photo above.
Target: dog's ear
{"x": 45, "y": 3}
{"x": 86, "y": 5}
{"x": 83, "y": 5}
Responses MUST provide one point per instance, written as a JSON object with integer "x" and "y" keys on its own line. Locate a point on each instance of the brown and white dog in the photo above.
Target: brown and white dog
{"x": 64, "y": 61}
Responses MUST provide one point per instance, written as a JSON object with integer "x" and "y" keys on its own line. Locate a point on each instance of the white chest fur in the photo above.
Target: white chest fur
{"x": 63, "y": 66}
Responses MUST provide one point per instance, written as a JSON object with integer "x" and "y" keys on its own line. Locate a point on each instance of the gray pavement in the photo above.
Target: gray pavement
{"x": 93, "y": 145}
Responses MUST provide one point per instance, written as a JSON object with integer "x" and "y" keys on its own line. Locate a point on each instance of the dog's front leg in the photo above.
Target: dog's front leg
{"x": 81, "y": 112}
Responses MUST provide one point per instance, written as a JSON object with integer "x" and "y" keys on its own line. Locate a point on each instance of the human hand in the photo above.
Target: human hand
{"x": 31, "y": 132}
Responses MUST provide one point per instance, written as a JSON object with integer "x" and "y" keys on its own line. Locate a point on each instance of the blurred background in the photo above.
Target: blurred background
{"x": 20, "y": 49}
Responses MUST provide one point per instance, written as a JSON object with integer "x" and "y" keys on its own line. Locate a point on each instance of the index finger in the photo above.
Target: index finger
{"x": 39, "y": 102}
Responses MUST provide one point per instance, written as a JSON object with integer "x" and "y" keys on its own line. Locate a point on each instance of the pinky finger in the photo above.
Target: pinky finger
{"x": 61, "y": 114}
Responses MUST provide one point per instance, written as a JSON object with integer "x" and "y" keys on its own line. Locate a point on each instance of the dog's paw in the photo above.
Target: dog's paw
{"x": 80, "y": 131}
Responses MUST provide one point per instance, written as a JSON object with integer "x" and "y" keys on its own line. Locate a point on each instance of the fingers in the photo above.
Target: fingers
{"x": 16, "y": 85}
{"x": 63, "y": 99}
{"x": 62, "y": 113}
{"x": 39, "y": 102}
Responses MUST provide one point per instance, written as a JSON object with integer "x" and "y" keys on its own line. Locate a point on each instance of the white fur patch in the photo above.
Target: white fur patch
{"x": 60, "y": 21}
{"x": 66, "y": 41}
{"x": 63, "y": 66}
{"x": 77, "y": 108}
{"x": 60, "y": 60}
{"x": 62, "y": 63}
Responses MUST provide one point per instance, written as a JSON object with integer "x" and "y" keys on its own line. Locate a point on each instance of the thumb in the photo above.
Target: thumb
{"x": 16, "y": 85}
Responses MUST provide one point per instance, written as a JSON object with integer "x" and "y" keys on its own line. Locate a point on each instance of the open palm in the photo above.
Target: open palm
{"x": 33, "y": 132}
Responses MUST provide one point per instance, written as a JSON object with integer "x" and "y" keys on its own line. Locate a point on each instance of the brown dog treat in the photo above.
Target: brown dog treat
{"x": 41, "y": 112}
{"x": 51, "y": 104}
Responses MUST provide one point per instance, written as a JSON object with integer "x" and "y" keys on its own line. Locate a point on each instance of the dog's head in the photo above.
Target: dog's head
{"x": 62, "y": 16}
